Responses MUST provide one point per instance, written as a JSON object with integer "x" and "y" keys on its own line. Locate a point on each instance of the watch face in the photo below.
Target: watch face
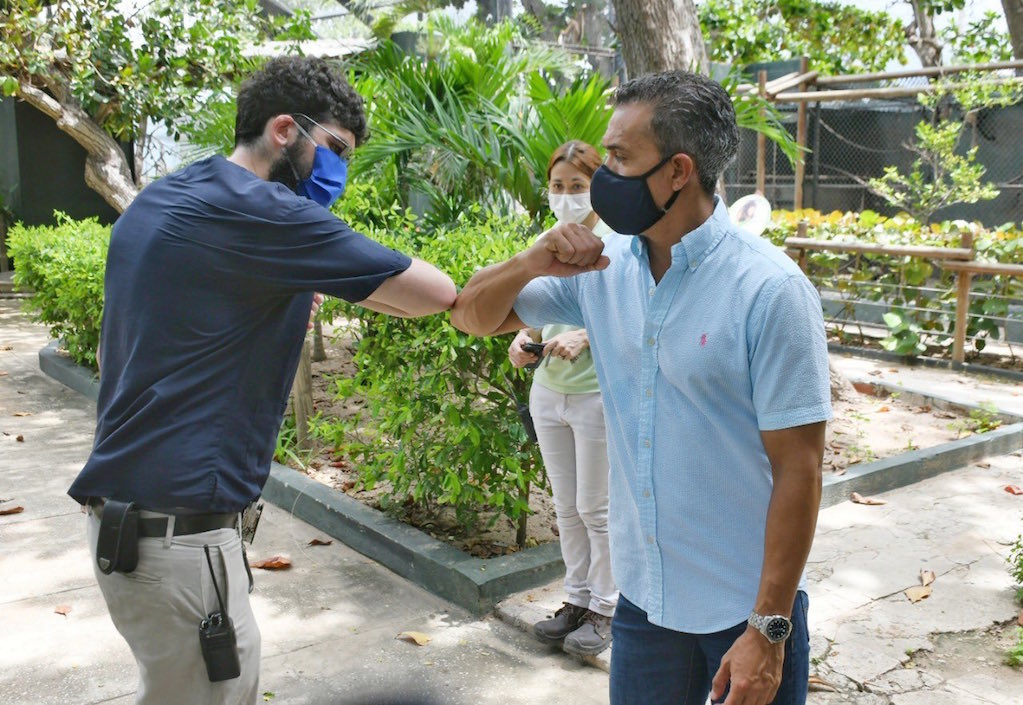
{"x": 778, "y": 629}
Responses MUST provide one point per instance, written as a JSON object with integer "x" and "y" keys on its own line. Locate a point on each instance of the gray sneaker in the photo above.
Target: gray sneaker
{"x": 592, "y": 636}
{"x": 565, "y": 621}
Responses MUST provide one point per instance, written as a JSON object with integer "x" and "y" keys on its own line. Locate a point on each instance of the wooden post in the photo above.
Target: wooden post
{"x": 319, "y": 353}
{"x": 962, "y": 315}
{"x": 797, "y": 198}
{"x": 302, "y": 397}
{"x": 4, "y": 264}
{"x": 801, "y": 229}
{"x": 762, "y": 138}
{"x": 962, "y": 303}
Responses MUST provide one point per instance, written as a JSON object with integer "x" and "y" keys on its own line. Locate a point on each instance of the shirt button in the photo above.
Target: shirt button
{"x": 651, "y": 340}
{"x": 646, "y": 442}
{"x": 646, "y": 493}
{"x": 650, "y": 539}
{"x": 652, "y": 290}
{"x": 649, "y": 392}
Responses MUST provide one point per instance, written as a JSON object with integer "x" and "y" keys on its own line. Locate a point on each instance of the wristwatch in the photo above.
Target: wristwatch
{"x": 775, "y": 627}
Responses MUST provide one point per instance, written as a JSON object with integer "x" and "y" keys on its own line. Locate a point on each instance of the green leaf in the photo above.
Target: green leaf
{"x": 892, "y": 319}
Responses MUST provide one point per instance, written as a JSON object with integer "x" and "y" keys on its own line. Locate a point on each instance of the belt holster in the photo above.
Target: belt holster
{"x": 118, "y": 545}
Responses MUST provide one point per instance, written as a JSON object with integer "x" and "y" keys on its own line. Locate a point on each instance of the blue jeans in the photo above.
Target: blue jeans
{"x": 651, "y": 665}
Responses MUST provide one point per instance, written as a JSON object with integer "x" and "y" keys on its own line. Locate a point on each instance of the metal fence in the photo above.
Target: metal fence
{"x": 850, "y": 142}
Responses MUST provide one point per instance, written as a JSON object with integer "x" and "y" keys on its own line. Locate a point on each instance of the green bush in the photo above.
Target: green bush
{"x": 63, "y": 265}
{"x": 440, "y": 423}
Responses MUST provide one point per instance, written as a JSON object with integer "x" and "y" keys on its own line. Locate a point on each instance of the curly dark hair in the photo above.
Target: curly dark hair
{"x": 294, "y": 84}
{"x": 691, "y": 114}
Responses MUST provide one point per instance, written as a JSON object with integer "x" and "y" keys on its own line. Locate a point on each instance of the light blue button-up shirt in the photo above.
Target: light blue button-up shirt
{"x": 730, "y": 343}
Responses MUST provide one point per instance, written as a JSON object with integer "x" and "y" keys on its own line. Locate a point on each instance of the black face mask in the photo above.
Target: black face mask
{"x": 625, "y": 203}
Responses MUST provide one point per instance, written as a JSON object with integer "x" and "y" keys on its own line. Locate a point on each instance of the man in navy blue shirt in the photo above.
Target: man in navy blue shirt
{"x": 209, "y": 284}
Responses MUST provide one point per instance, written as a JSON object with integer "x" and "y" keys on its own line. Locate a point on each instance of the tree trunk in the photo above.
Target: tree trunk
{"x": 923, "y": 37}
{"x": 660, "y": 35}
{"x": 493, "y": 11}
{"x": 1014, "y": 18}
{"x": 106, "y": 167}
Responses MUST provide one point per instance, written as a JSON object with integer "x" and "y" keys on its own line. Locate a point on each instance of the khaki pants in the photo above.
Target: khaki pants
{"x": 157, "y": 609}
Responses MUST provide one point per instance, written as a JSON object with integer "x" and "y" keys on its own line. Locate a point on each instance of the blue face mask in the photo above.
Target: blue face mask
{"x": 327, "y": 180}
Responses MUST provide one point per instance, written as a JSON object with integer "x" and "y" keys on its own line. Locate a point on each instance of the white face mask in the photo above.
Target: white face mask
{"x": 570, "y": 208}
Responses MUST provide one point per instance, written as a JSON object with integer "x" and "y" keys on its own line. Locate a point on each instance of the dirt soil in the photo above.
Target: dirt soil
{"x": 866, "y": 428}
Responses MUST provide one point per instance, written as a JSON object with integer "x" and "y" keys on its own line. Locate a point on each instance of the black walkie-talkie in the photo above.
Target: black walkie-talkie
{"x": 217, "y": 639}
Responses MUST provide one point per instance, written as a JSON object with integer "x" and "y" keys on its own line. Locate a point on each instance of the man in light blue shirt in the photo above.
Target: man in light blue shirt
{"x": 710, "y": 349}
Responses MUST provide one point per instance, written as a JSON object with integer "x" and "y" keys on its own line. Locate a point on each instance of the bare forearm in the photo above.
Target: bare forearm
{"x": 791, "y": 521}
{"x": 484, "y": 306}
{"x": 421, "y": 290}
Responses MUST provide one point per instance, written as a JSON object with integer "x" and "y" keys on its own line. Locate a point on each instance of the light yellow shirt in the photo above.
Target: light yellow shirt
{"x": 569, "y": 376}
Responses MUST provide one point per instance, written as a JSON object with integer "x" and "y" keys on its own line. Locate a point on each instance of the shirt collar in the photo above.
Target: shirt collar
{"x": 697, "y": 244}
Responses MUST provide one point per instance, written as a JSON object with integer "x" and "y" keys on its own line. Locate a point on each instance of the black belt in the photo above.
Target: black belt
{"x": 156, "y": 527}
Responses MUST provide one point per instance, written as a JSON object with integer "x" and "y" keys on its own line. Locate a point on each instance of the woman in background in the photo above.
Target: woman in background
{"x": 568, "y": 416}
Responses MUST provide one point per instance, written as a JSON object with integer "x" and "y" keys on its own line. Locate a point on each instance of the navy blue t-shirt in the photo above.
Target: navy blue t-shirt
{"x": 209, "y": 283}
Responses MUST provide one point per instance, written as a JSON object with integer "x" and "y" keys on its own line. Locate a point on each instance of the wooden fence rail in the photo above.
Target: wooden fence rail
{"x": 955, "y": 259}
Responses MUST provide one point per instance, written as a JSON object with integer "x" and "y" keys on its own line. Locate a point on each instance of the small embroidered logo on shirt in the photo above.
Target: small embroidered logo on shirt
{"x": 703, "y": 340}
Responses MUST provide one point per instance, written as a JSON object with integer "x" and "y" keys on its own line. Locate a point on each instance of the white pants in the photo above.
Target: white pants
{"x": 157, "y": 609}
{"x": 573, "y": 443}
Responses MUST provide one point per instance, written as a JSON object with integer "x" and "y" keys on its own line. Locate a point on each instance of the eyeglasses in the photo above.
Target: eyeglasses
{"x": 339, "y": 146}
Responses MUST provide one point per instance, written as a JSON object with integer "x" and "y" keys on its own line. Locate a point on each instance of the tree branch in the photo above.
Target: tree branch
{"x": 106, "y": 167}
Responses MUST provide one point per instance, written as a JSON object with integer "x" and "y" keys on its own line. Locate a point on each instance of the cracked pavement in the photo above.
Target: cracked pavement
{"x": 875, "y": 645}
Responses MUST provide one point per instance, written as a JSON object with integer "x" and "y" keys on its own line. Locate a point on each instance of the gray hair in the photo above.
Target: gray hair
{"x": 691, "y": 114}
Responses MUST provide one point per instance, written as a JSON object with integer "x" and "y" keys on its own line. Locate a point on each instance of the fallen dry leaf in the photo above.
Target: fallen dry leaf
{"x": 11, "y": 510}
{"x": 1013, "y": 489}
{"x": 884, "y": 409}
{"x": 63, "y": 609}
{"x": 414, "y": 638}
{"x": 1019, "y": 619}
{"x": 347, "y": 485}
{"x": 319, "y": 542}
{"x": 818, "y": 684}
{"x": 918, "y": 592}
{"x": 22, "y": 413}
{"x": 860, "y": 499}
{"x": 5, "y": 348}
{"x": 274, "y": 563}
{"x": 927, "y": 577}
{"x": 983, "y": 465}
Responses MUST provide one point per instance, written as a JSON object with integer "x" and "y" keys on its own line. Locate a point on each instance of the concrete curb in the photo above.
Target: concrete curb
{"x": 476, "y": 584}
{"x": 914, "y": 466}
{"x": 935, "y": 363}
{"x": 479, "y": 584}
{"x": 61, "y": 368}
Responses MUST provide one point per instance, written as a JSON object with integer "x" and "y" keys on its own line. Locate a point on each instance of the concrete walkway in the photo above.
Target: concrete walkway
{"x": 329, "y": 623}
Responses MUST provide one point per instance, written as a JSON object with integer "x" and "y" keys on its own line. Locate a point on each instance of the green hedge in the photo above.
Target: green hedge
{"x": 440, "y": 423}
{"x": 63, "y": 265}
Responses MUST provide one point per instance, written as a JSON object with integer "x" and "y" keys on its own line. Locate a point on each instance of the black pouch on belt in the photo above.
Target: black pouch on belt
{"x": 118, "y": 545}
